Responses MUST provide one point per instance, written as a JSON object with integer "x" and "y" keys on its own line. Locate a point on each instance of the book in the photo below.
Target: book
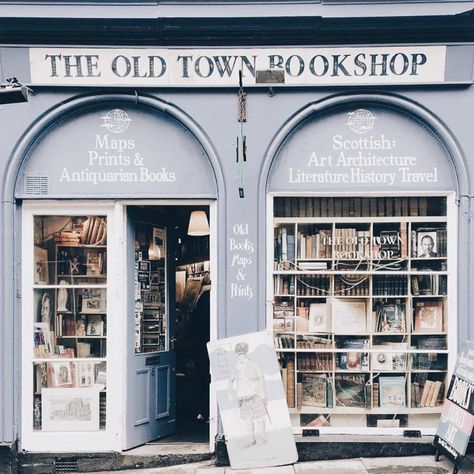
{"x": 348, "y": 316}
{"x": 432, "y": 402}
{"x": 357, "y": 361}
{"x": 290, "y": 383}
{"x": 319, "y": 318}
{"x": 350, "y": 390}
{"x": 426, "y": 392}
{"x": 429, "y": 316}
{"x": 314, "y": 390}
{"x": 390, "y": 317}
{"x": 375, "y": 394}
{"x": 392, "y": 392}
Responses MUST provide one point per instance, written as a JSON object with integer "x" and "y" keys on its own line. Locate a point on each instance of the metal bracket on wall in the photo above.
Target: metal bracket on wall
{"x": 310, "y": 432}
{"x": 412, "y": 434}
{"x": 241, "y": 149}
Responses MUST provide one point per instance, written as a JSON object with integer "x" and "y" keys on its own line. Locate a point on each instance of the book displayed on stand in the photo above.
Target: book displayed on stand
{"x": 360, "y": 307}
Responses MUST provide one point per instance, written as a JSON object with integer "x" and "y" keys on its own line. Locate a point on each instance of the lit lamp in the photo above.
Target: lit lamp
{"x": 154, "y": 252}
{"x": 198, "y": 224}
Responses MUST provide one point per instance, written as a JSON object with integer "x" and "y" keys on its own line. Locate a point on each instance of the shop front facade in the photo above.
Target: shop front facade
{"x": 336, "y": 181}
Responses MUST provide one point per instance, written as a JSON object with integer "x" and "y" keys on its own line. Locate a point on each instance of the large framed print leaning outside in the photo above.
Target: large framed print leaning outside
{"x": 70, "y": 409}
{"x": 254, "y": 413}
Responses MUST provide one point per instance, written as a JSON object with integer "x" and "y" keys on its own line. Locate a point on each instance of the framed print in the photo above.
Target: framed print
{"x": 95, "y": 326}
{"x": 427, "y": 244}
{"x": 70, "y": 409}
{"x": 94, "y": 263}
{"x": 41, "y": 270}
{"x": 61, "y": 374}
{"x": 93, "y": 301}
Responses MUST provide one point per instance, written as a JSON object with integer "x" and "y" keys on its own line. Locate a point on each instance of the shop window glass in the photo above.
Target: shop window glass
{"x": 360, "y": 314}
{"x": 150, "y": 289}
{"x": 69, "y": 333}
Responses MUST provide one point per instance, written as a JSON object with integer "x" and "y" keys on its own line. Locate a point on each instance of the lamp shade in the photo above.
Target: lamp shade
{"x": 198, "y": 224}
{"x": 154, "y": 252}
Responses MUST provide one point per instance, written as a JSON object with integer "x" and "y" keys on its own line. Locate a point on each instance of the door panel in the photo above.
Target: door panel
{"x": 142, "y": 396}
{"x": 150, "y": 406}
{"x": 163, "y": 387}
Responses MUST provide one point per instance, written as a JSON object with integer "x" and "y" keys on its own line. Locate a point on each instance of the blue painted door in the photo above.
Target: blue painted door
{"x": 151, "y": 361}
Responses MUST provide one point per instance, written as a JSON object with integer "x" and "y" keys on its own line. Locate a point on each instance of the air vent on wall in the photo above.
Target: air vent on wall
{"x": 36, "y": 185}
{"x": 65, "y": 465}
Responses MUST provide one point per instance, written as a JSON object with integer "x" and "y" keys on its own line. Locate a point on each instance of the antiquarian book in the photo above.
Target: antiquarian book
{"x": 319, "y": 318}
{"x": 350, "y": 390}
{"x": 314, "y": 390}
{"x": 348, "y": 316}
{"x": 426, "y": 394}
{"x": 392, "y": 392}
{"x": 429, "y": 316}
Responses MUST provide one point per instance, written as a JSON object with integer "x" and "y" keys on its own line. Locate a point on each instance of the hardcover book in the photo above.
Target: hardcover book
{"x": 350, "y": 390}
{"x": 429, "y": 316}
{"x": 392, "y": 392}
{"x": 348, "y": 316}
{"x": 314, "y": 390}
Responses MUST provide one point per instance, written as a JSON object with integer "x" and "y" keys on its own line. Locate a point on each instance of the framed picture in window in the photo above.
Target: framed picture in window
{"x": 70, "y": 409}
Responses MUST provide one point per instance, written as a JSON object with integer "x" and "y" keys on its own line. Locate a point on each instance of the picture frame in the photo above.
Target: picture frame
{"x": 94, "y": 263}
{"x": 70, "y": 409}
{"x": 95, "y": 326}
{"x": 41, "y": 266}
{"x": 86, "y": 376}
{"x": 42, "y": 340}
{"x": 158, "y": 235}
{"x": 60, "y": 374}
{"x": 427, "y": 244}
{"x": 93, "y": 301}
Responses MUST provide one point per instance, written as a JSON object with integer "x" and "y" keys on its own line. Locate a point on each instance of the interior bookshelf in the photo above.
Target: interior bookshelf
{"x": 151, "y": 318}
{"x": 360, "y": 308}
{"x": 70, "y": 321}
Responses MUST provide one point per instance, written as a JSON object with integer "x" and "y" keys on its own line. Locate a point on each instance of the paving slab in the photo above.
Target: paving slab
{"x": 403, "y": 465}
{"x": 346, "y": 466}
{"x": 263, "y": 470}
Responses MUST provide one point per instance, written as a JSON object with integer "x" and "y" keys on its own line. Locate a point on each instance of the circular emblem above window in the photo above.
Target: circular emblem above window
{"x": 361, "y": 121}
{"x": 116, "y": 121}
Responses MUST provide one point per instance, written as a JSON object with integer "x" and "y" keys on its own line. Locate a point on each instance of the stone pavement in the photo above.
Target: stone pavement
{"x": 400, "y": 465}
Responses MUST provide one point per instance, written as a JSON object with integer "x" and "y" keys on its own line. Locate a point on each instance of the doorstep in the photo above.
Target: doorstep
{"x": 146, "y": 456}
{"x": 327, "y": 447}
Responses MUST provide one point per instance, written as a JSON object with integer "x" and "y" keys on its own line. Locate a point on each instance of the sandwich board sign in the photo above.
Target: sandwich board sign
{"x": 252, "y": 403}
{"x": 457, "y": 417}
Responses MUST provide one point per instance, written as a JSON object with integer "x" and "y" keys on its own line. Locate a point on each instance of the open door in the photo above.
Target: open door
{"x": 151, "y": 360}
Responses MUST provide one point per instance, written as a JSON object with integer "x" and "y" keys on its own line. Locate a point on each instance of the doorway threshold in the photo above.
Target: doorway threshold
{"x": 164, "y": 448}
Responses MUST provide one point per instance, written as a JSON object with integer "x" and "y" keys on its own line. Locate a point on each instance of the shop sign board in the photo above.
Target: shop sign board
{"x": 170, "y": 67}
{"x": 457, "y": 418}
{"x": 115, "y": 151}
{"x": 360, "y": 148}
{"x": 252, "y": 403}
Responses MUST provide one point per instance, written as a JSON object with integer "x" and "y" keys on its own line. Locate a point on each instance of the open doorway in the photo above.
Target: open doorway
{"x": 168, "y": 383}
